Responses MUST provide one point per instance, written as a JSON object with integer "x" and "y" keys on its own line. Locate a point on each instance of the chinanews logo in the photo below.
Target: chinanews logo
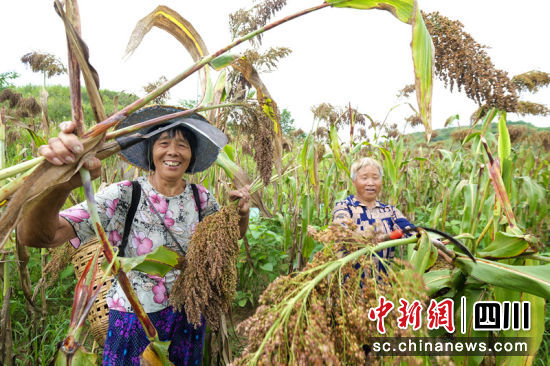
{"x": 485, "y": 316}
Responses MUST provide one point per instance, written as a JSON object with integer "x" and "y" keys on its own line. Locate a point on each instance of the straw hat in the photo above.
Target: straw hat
{"x": 209, "y": 140}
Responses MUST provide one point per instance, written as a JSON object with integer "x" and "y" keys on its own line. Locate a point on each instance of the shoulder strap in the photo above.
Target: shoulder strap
{"x": 197, "y": 199}
{"x": 136, "y": 195}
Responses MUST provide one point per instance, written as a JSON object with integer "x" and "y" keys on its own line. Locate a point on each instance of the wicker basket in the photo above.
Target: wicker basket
{"x": 99, "y": 313}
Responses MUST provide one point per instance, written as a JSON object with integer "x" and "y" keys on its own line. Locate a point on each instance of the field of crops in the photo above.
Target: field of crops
{"x": 295, "y": 295}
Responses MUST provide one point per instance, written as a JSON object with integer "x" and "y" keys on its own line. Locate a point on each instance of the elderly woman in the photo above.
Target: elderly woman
{"x": 165, "y": 208}
{"x": 364, "y": 209}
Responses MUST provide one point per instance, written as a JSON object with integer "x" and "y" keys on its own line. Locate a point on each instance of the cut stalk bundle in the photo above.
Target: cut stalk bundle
{"x": 320, "y": 316}
{"x": 208, "y": 281}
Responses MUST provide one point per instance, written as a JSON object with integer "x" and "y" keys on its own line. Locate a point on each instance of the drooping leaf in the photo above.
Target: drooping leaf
{"x": 38, "y": 140}
{"x": 402, "y": 9}
{"x": 532, "y": 279}
{"x": 218, "y": 95}
{"x": 156, "y": 263}
{"x": 423, "y": 56}
{"x": 169, "y": 20}
{"x": 505, "y": 245}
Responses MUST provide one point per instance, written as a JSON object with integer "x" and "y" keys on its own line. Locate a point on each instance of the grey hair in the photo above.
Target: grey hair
{"x": 358, "y": 164}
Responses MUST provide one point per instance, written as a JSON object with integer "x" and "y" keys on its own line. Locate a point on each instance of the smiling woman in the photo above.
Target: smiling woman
{"x": 167, "y": 209}
{"x": 364, "y": 210}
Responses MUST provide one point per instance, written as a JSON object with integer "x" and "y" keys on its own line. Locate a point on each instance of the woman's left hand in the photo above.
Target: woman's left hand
{"x": 243, "y": 195}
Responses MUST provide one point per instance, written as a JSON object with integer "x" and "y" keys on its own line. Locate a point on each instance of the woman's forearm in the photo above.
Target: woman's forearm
{"x": 41, "y": 226}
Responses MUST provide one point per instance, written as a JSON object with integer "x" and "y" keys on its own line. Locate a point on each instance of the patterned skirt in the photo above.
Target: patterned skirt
{"x": 126, "y": 339}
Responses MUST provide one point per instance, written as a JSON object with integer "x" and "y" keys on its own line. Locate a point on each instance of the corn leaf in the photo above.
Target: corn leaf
{"x": 534, "y": 334}
{"x": 81, "y": 357}
{"x": 402, "y": 9}
{"x": 421, "y": 257}
{"x": 532, "y": 279}
{"x": 336, "y": 150}
{"x": 505, "y": 245}
{"x": 422, "y": 52}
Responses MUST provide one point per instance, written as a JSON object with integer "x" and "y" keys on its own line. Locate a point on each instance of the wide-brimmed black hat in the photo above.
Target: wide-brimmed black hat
{"x": 209, "y": 140}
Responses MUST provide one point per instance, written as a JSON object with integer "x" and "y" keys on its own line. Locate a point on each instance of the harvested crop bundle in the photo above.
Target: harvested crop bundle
{"x": 320, "y": 316}
{"x": 61, "y": 257}
{"x": 207, "y": 283}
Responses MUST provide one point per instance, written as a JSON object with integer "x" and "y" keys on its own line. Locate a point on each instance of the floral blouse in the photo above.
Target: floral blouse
{"x": 383, "y": 218}
{"x": 179, "y": 213}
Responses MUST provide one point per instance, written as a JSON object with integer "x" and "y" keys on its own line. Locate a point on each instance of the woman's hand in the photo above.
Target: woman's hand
{"x": 66, "y": 148}
{"x": 243, "y": 195}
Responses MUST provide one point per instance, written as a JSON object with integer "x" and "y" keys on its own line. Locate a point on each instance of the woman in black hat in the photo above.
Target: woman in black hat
{"x": 165, "y": 213}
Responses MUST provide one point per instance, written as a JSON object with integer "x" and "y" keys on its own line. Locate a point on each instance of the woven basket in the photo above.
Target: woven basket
{"x": 99, "y": 313}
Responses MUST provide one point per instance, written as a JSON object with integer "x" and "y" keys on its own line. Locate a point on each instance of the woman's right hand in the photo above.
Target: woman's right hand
{"x": 66, "y": 148}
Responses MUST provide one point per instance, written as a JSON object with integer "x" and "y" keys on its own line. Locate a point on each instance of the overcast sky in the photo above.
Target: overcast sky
{"x": 340, "y": 56}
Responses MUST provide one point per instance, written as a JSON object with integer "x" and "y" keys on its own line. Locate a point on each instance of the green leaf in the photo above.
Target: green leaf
{"x": 268, "y": 267}
{"x": 336, "y": 150}
{"x": 422, "y": 52}
{"x": 421, "y": 256}
{"x": 157, "y": 263}
{"x": 242, "y": 303}
{"x": 504, "y": 144}
{"x": 505, "y": 246}
{"x": 402, "y": 9}
{"x": 436, "y": 280}
{"x": 534, "y": 334}
{"x": 532, "y": 279}
{"x": 223, "y": 61}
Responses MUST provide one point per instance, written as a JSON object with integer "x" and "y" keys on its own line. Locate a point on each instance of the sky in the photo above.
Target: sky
{"x": 340, "y": 56}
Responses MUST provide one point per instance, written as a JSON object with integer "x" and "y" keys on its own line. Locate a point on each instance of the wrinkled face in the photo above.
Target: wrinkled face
{"x": 171, "y": 156}
{"x": 368, "y": 183}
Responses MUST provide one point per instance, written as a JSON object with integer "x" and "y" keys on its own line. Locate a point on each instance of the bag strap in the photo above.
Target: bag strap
{"x": 197, "y": 199}
{"x": 136, "y": 195}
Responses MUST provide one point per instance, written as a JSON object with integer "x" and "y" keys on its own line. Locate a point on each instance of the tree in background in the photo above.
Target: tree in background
{"x": 5, "y": 78}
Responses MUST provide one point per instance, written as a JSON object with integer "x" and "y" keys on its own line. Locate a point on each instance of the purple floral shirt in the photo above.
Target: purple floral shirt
{"x": 179, "y": 213}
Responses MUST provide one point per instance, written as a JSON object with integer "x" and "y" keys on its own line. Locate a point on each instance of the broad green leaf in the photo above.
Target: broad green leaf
{"x": 471, "y": 295}
{"x": 267, "y": 267}
{"x": 391, "y": 169}
{"x": 402, "y": 9}
{"x": 436, "y": 280}
{"x": 532, "y": 279}
{"x": 422, "y": 51}
{"x": 223, "y": 61}
{"x": 421, "y": 256}
{"x": 157, "y": 263}
{"x": 505, "y": 246}
{"x": 534, "y": 334}
{"x": 504, "y": 144}
{"x": 336, "y": 150}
